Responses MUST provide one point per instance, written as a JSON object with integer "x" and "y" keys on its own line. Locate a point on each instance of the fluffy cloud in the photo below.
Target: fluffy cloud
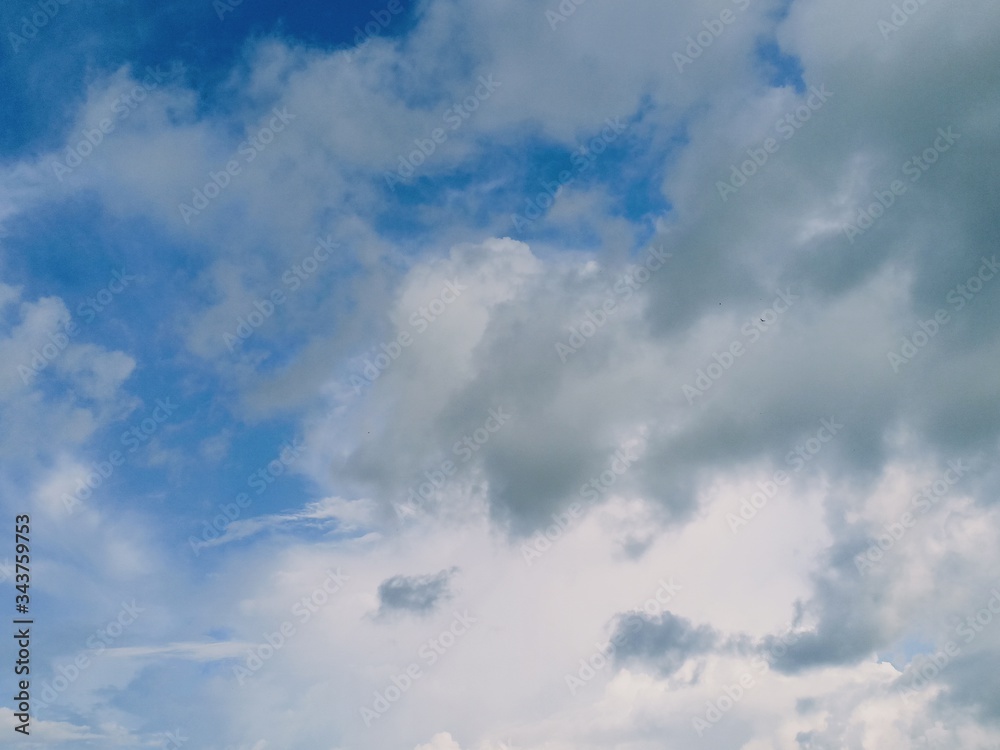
{"x": 745, "y": 343}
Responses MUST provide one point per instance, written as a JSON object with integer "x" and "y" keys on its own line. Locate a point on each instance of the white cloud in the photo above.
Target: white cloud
{"x": 484, "y": 313}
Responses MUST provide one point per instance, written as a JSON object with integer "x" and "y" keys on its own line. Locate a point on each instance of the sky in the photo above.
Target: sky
{"x": 479, "y": 375}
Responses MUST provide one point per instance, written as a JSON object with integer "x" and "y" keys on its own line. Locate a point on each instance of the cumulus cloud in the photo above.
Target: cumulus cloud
{"x": 416, "y": 594}
{"x": 704, "y": 292}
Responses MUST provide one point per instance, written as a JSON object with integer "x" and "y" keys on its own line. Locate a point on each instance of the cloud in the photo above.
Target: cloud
{"x": 519, "y": 385}
{"x": 414, "y": 594}
{"x": 330, "y": 515}
{"x": 665, "y": 640}
{"x": 441, "y": 741}
{"x": 192, "y": 651}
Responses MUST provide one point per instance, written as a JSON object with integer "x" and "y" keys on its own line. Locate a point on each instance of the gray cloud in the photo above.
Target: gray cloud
{"x": 664, "y": 640}
{"x": 414, "y": 594}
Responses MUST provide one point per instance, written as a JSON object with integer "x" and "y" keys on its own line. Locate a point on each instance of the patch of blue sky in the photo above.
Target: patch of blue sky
{"x": 905, "y": 650}
{"x": 207, "y": 498}
{"x": 780, "y": 12}
{"x": 56, "y": 248}
{"x": 409, "y": 214}
{"x": 84, "y": 40}
{"x": 630, "y": 170}
{"x": 779, "y": 68}
{"x": 518, "y": 176}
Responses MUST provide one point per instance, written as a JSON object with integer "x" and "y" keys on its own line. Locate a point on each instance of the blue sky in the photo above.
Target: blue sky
{"x": 633, "y": 298}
